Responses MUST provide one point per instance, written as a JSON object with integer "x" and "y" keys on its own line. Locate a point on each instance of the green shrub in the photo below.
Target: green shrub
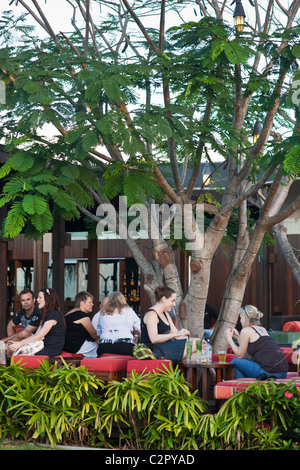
{"x": 52, "y": 404}
{"x": 68, "y": 405}
{"x": 258, "y": 417}
{"x": 157, "y": 411}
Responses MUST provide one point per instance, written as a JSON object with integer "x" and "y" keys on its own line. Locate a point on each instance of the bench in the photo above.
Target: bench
{"x": 108, "y": 367}
{"x": 115, "y": 367}
{"x": 276, "y": 322}
{"x": 147, "y": 365}
{"x": 224, "y": 390}
{"x": 29, "y": 362}
{"x": 228, "y": 388}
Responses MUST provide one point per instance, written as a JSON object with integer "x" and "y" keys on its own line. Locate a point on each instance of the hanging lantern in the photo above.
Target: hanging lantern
{"x": 206, "y": 174}
{"x": 256, "y": 131}
{"x": 239, "y": 16}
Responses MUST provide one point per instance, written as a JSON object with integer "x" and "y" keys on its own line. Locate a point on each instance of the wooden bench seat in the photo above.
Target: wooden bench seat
{"x": 228, "y": 388}
{"x": 108, "y": 367}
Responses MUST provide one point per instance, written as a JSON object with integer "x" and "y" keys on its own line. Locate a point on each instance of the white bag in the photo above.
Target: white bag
{"x": 30, "y": 349}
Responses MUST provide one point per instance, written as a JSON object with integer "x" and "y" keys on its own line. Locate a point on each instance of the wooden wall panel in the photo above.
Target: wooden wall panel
{"x": 271, "y": 286}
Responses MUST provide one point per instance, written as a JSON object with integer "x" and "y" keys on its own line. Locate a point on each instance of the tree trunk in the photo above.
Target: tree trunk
{"x": 235, "y": 289}
{"x": 280, "y": 234}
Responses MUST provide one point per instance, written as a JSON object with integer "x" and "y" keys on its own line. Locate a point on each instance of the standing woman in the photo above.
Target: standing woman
{"x": 117, "y": 325}
{"x": 52, "y": 330}
{"x": 158, "y": 329}
{"x": 265, "y": 358}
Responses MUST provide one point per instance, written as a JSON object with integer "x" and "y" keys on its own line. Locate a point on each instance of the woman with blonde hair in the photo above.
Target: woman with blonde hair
{"x": 117, "y": 325}
{"x": 265, "y": 358}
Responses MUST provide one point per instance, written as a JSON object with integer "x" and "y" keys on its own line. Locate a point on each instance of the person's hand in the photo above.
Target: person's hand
{"x": 181, "y": 334}
{"x": 229, "y": 333}
{"x": 184, "y": 332}
{"x": 14, "y": 345}
{"x": 235, "y": 333}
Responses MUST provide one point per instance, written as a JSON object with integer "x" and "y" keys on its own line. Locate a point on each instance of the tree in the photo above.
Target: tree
{"x": 135, "y": 106}
{"x": 287, "y": 250}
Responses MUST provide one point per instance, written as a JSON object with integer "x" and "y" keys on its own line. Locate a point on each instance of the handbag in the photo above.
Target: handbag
{"x": 30, "y": 349}
{"x": 141, "y": 351}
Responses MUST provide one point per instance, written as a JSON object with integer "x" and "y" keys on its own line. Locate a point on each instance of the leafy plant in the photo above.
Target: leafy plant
{"x": 51, "y": 403}
{"x": 69, "y": 405}
{"x": 263, "y": 409}
{"x": 159, "y": 407}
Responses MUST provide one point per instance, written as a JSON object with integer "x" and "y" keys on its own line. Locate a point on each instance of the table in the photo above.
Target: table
{"x": 224, "y": 371}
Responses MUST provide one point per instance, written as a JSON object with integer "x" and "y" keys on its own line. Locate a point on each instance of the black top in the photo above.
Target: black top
{"x": 162, "y": 328}
{"x": 76, "y": 333}
{"x": 55, "y": 338}
{"x": 266, "y": 353}
{"x": 33, "y": 320}
{"x": 210, "y": 314}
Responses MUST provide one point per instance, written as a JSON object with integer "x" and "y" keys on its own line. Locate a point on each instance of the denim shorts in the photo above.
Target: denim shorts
{"x": 248, "y": 368}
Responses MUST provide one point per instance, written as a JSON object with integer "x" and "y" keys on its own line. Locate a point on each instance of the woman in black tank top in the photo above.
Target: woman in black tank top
{"x": 158, "y": 329}
{"x": 266, "y": 358}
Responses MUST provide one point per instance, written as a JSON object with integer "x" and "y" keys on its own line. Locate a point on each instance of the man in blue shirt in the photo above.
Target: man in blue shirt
{"x": 29, "y": 317}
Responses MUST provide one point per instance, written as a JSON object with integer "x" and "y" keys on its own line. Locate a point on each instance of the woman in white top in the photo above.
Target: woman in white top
{"x": 117, "y": 325}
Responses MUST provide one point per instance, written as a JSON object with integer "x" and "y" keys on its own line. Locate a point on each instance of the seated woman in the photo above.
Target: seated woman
{"x": 117, "y": 325}
{"x": 266, "y": 360}
{"x": 52, "y": 329}
{"x": 158, "y": 330}
{"x": 81, "y": 336}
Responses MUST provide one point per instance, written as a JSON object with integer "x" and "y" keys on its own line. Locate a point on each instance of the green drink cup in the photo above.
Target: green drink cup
{"x": 189, "y": 350}
{"x": 198, "y": 349}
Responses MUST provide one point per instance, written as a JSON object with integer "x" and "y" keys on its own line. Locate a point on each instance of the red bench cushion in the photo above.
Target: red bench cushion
{"x": 121, "y": 356}
{"x": 33, "y": 362}
{"x": 290, "y": 355}
{"x": 228, "y": 388}
{"x": 67, "y": 354}
{"x": 106, "y": 364}
{"x": 147, "y": 365}
{"x": 291, "y": 326}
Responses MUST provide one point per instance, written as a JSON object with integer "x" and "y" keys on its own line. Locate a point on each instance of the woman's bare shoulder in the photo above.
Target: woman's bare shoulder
{"x": 150, "y": 314}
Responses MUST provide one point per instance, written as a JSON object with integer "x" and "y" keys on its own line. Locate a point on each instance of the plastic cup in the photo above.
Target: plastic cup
{"x": 189, "y": 350}
{"x": 222, "y": 357}
{"x": 198, "y": 349}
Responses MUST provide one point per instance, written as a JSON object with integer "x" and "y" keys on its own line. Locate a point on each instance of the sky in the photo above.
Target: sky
{"x": 59, "y": 13}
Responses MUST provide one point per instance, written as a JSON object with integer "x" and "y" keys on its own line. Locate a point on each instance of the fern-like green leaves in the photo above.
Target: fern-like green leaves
{"x": 99, "y": 104}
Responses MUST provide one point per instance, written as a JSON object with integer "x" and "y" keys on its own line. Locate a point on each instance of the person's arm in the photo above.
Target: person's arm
{"x": 28, "y": 331}
{"x": 135, "y": 324}
{"x": 240, "y": 349}
{"x": 13, "y": 336}
{"x": 14, "y": 345}
{"x": 95, "y": 320}
{"x": 151, "y": 322}
{"x": 87, "y": 323}
{"x": 11, "y": 332}
{"x": 11, "y": 328}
